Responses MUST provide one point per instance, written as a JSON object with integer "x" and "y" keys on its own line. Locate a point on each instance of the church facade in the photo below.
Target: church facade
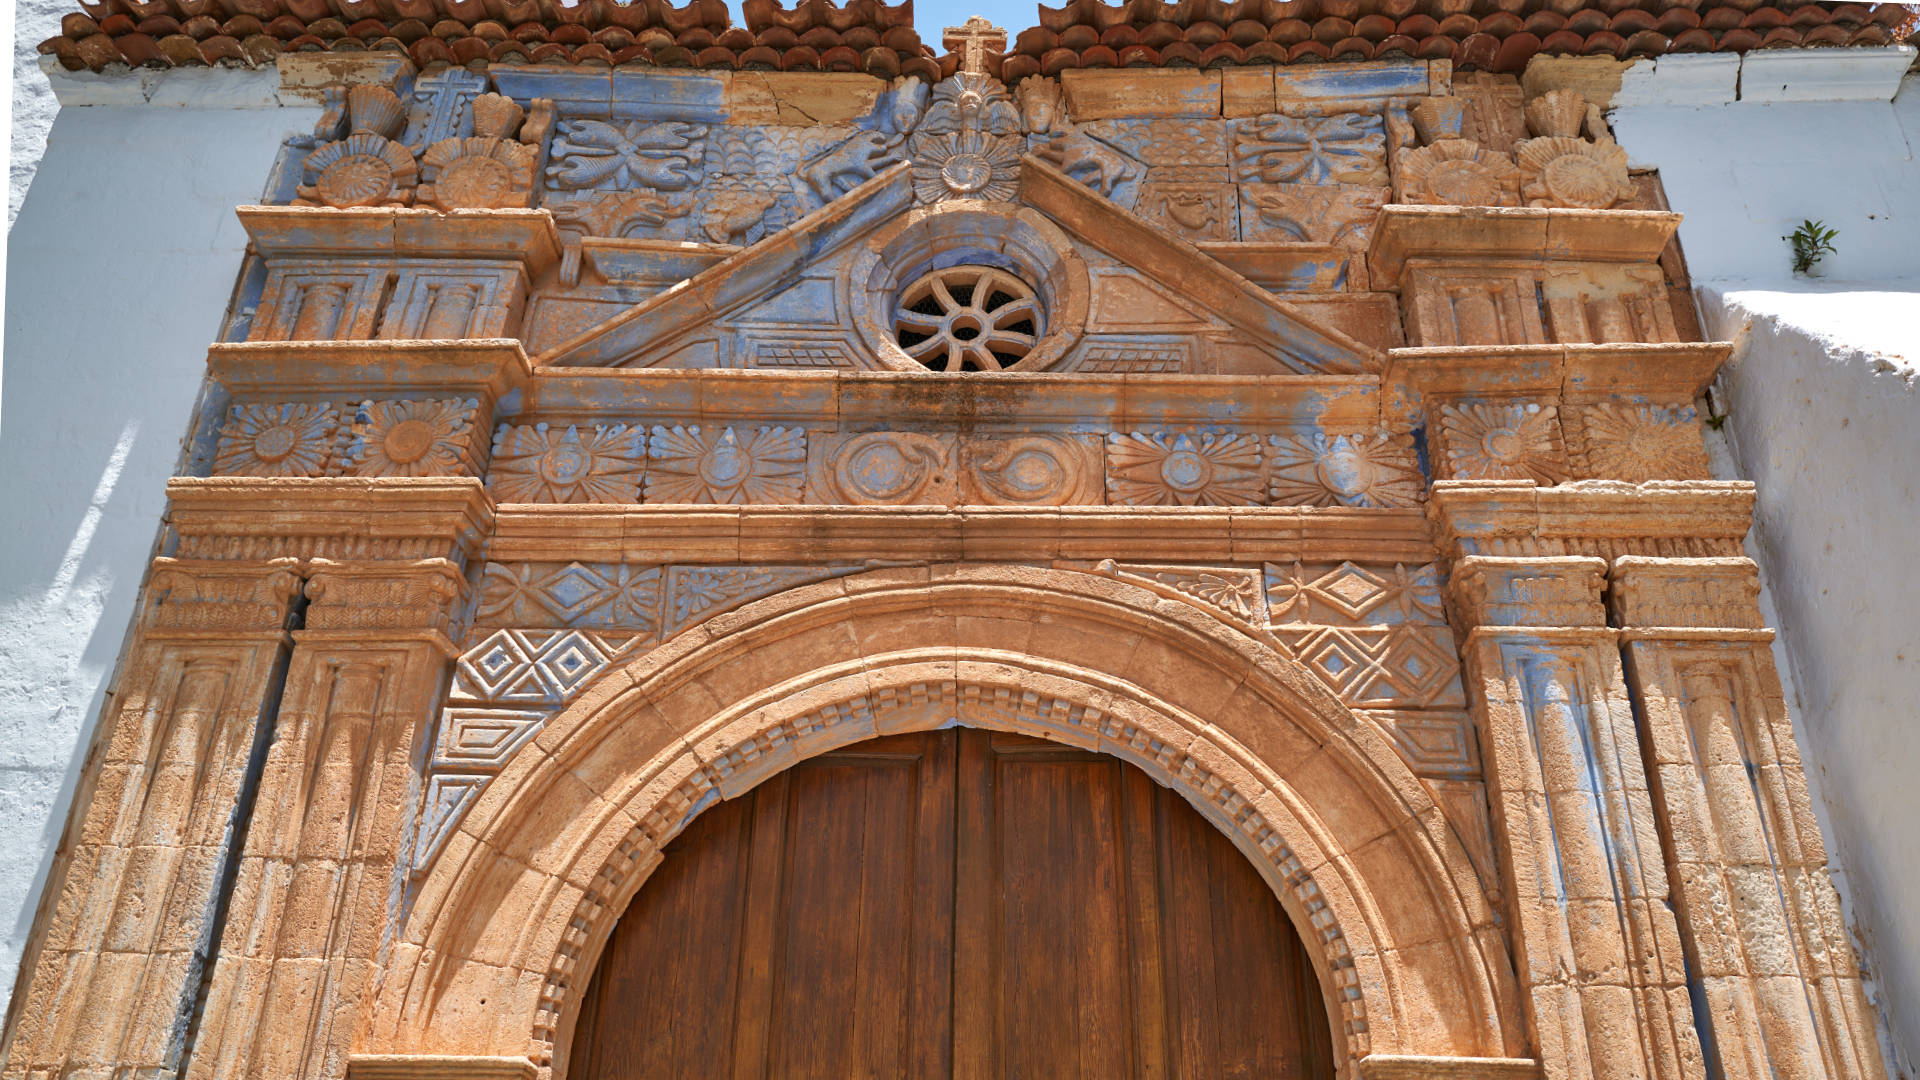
{"x": 1011, "y": 563}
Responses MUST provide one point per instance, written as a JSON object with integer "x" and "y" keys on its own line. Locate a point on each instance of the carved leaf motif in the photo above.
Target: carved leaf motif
{"x": 1348, "y": 470}
{"x": 542, "y": 464}
{"x": 1486, "y": 441}
{"x": 1340, "y": 147}
{"x": 294, "y": 439}
{"x": 665, "y": 156}
{"x": 696, "y": 465}
{"x": 1161, "y": 468}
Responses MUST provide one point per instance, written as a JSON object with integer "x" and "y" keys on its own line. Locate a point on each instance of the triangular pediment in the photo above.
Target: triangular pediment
{"x": 1119, "y": 293}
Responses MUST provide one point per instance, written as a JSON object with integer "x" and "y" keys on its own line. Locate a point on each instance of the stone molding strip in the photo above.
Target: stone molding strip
{"x": 761, "y": 534}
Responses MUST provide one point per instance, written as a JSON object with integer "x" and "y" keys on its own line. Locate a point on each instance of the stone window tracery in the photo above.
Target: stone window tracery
{"x": 968, "y": 318}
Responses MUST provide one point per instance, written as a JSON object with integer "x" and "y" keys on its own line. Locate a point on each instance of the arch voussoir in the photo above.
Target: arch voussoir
{"x": 1360, "y": 857}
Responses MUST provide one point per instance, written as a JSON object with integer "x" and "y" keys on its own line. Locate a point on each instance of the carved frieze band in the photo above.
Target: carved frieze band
{"x": 1375, "y": 635}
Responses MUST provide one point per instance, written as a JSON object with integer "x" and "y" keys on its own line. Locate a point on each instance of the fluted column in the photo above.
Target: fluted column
{"x": 1596, "y": 944}
{"x": 1765, "y": 942}
{"x": 116, "y": 973}
{"x": 324, "y": 864}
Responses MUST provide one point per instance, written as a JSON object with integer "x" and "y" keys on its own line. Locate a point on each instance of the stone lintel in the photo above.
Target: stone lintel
{"x": 438, "y": 1067}
{"x": 1667, "y": 373}
{"x": 391, "y": 518}
{"x": 753, "y": 534}
{"x": 1667, "y": 518}
{"x": 1335, "y": 402}
{"x": 1553, "y": 591}
{"x": 1529, "y": 233}
{"x": 1429, "y": 1067}
{"x": 361, "y": 233}
{"x": 486, "y": 368}
{"x": 307, "y": 75}
{"x": 1685, "y": 593}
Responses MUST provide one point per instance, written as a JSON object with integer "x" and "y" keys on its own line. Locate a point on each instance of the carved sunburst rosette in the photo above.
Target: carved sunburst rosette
{"x": 1318, "y": 469}
{"x": 292, "y": 439}
{"x": 1457, "y": 172}
{"x": 1568, "y": 172}
{"x": 544, "y": 464}
{"x": 965, "y": 165}
{"x": 1512, "y": 441}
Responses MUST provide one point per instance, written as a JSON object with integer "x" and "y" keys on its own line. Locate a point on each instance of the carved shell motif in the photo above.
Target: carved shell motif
{"x": 1457, "y": 172}
{"x": 363, "y": 169}
{"x": 1560, "y": 171}
{"x": 1557, "y": 113}
{"x": 478, "y": 173}
{"x": 375, "y": 109}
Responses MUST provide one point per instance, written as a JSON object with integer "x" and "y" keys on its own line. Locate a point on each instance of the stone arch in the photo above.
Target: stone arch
{"x": 509, "y": 921}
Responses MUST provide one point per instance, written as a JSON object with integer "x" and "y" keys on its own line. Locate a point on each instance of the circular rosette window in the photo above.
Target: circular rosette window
{"x": 969, "y": 287}
{"x": 968, "y": 318}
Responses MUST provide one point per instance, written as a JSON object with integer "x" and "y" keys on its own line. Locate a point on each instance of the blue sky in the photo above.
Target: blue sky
{"x": 932, "y": 16}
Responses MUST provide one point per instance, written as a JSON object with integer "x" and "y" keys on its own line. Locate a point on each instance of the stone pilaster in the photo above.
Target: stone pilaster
{"x": 325, "y": 858}
{"x": 1765, "y": 942}
{"x": 1599, "y": 956}
{"x": 123, "y": 948}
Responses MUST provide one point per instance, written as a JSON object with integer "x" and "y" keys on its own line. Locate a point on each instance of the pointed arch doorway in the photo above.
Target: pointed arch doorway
{"x": 953, "y": 903}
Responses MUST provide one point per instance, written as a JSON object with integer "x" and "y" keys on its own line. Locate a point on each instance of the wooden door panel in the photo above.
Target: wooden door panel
{"x": 954, "y": 904}
{"x": 801, "y": 930}
{"x": 1242, "y": 992}
{"x": 684, "y": 977}
{"x": 1056, "y": 964}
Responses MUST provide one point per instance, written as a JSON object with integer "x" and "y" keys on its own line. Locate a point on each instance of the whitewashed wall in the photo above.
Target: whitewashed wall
{"x": 119, "y": 270}
{"x": 1823, "y": 414}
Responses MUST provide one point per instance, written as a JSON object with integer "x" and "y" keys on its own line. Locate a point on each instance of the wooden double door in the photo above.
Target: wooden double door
{"x": 954, "y": 904}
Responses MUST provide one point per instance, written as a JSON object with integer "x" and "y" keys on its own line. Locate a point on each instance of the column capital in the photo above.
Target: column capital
{"x": 211, "y": 599}
{"x": 1685, "y": 594}
{"x": 1554, "y": 591}
{"x": 383, "y": 598}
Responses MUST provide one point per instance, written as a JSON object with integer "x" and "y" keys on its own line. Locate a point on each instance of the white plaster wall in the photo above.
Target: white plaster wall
{"x": 1823, "y": 414}
{"x": 119, "y": 270}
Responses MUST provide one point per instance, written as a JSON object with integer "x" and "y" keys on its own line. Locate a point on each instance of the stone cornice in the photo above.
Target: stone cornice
{"x": 751, "y": 534}
{"x": 406, "y": 518}
{"x": 1527, "y": 233}
{"x": 1591, "y": 517}
{"x": 1675, "y": 372}
{"x": 1197, "y": 276}
{"x": 1023, "y": 399}
{"x": 480, "y": 367}
{"x": 289, "y": 232}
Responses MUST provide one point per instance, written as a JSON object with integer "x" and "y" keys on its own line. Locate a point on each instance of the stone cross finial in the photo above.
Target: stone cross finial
{"x": 971, "y": 40}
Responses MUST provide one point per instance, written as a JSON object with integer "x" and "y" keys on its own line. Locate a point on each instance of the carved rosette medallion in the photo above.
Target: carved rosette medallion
{"x": 367, "y": 168}
{"x": 1515, "y": 441}
{"x": 1032, "y": 470}
{"x": 1345, "y": 470}
{"x": 889, "y": 468}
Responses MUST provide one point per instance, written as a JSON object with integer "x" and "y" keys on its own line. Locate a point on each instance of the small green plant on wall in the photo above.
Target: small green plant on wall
{"x": 1812, "y": 241}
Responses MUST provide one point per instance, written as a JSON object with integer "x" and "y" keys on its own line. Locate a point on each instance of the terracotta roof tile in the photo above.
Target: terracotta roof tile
{"x": 878, "y": 38}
